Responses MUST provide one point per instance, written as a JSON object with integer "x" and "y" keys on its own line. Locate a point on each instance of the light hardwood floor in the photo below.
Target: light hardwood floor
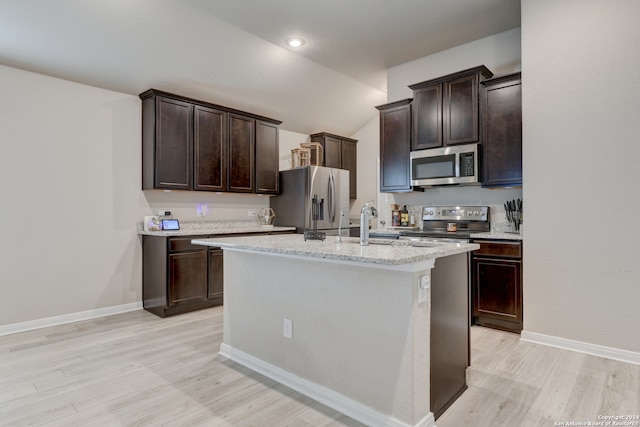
{"x": 137, "y": 369}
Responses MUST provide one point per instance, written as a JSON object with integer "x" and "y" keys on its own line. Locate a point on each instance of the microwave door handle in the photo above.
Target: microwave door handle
{"x": 457, "y": 171}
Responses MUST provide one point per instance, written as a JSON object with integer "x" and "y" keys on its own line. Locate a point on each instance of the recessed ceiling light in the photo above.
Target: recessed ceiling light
{"x": 295, "y": 42}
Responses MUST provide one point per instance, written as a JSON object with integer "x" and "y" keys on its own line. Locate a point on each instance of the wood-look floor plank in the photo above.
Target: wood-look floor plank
{"x": 520, "y": 384}
{"x": 135, "y": 369}
{"x": 551, "y": 401}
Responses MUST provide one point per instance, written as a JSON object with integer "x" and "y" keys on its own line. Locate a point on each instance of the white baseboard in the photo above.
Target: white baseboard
{"x": 328, "y": 397}
{"x": 582, "y": 347}
{"x": 68, "y": 318}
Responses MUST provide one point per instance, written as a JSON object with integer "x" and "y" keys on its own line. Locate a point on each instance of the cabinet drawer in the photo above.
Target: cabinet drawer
{"x": 180, "y": 244}
{"x": 499, "y": 248}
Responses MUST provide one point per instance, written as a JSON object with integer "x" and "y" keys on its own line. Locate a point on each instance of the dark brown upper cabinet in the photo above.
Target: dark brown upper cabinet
{"x": 167, "y": 147}
{"x": 210, "y": 143}
{"x": 395, "y": 146}
{"x": 501, "y": 106}
{"x": 194, "y": 145}
{"x": 340, "y": 152}
{"x": 267, "y": 158}
{"x": 446, "y": 109}
{"x": 241, "y": 153}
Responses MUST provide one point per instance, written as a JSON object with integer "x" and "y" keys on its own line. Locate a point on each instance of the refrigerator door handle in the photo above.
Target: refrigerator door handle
{"x": 332, "y": 199}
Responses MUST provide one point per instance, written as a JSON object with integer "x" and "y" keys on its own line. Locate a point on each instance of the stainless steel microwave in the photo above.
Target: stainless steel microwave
{"x": 445, "y": 166}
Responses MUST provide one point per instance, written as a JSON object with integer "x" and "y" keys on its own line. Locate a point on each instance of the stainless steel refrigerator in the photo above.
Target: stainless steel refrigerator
{"x": 298, "y": 188}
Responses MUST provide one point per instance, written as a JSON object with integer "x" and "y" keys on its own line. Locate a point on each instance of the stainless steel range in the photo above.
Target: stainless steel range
{"x": 457, "y": 223}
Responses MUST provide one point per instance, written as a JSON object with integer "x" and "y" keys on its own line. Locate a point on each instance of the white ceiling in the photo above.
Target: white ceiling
{"x": 232, "y": 52}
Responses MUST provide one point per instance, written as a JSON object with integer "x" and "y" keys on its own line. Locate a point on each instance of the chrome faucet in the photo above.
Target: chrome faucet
{"x": 366, "y": 213}
{"x": 339, "y": 238}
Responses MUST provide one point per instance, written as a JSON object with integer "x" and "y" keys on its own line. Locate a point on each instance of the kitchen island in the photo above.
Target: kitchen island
{"x": 356, "y": 328}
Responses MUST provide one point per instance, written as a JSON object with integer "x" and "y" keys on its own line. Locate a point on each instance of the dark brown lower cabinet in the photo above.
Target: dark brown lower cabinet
{"x": 178, "y": 277}
{"x": 187, "y": 277}
{"x": 215, "y": 274}
{"x": 496, "y": 277}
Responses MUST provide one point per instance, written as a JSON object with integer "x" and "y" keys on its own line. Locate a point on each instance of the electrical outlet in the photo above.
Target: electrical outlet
{"x": 202, "y": 209}
{"x": 252, "y": 213}
{"x": 288, "y": 328}
{"x": 423, "y": 285}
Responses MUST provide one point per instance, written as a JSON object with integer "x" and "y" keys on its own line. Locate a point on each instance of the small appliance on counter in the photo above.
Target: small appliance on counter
{"x": 161, "y": 222}
{"x": 152, "y": 223}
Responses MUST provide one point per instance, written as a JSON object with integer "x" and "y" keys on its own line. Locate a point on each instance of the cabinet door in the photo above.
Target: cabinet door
{"x": 332, "y": 152}
{"x": 210, "y": 149}
{"x": 241, "y": 153}
{"x": 497, "y": 289}
{"x": 267, "y": 158}
{"x": 187, "y": 277}
{"x": 215, "y": 284}
{"x": 349, "y": 162}
{"x": 427, "y": 117}
{"x": 174, "y": 144}
{"x": 502, "y": 127}
{"x": 461, "y": 111}
{"x": 395, "y": 146}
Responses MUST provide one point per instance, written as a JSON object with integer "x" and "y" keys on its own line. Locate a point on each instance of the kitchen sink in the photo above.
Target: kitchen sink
{"x": 394, "y": 242}
{"x": 372, "y": 241}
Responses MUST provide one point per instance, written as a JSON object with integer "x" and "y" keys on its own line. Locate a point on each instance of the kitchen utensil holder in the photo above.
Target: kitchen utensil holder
{"x": 513, "y": 210}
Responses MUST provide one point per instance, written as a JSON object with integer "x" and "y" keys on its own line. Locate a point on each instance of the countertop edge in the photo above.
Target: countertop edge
{"x": 216, "y": 231}
{"x": 377, "y": 254}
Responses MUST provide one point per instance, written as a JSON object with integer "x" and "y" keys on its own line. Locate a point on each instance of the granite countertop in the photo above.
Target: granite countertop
{"x": 498, "y": 235}
{"x": 196, "y": 228}
{"x": 379, "y": 251}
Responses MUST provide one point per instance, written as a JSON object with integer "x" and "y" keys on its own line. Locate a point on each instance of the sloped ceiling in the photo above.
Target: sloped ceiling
{"x": 232, "y": 52}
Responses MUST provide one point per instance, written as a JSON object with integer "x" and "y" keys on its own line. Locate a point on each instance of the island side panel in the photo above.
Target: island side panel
{"x": 450, "y": 313}
{"x": 357, "y": 330}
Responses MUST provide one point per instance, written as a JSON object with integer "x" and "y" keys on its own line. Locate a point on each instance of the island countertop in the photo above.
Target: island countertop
{"x": 378, "y": 252}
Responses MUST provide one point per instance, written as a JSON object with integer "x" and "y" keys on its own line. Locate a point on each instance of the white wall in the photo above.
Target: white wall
{"x": 581, "y": 106}
{"x": 501, "y": 54}
{"x": 70, "y": 187}
{"x": 70, "y": 179}
{"x": 368, "y": 147}
{"x": 288, "y": 141}
{"x": 346, "y": 316}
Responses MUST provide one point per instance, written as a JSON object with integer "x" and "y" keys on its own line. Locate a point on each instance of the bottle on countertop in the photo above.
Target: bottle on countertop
{"x": 395, "y": 218}
{"x": 404, "y": 217}
{"x": 412, "y": 218}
